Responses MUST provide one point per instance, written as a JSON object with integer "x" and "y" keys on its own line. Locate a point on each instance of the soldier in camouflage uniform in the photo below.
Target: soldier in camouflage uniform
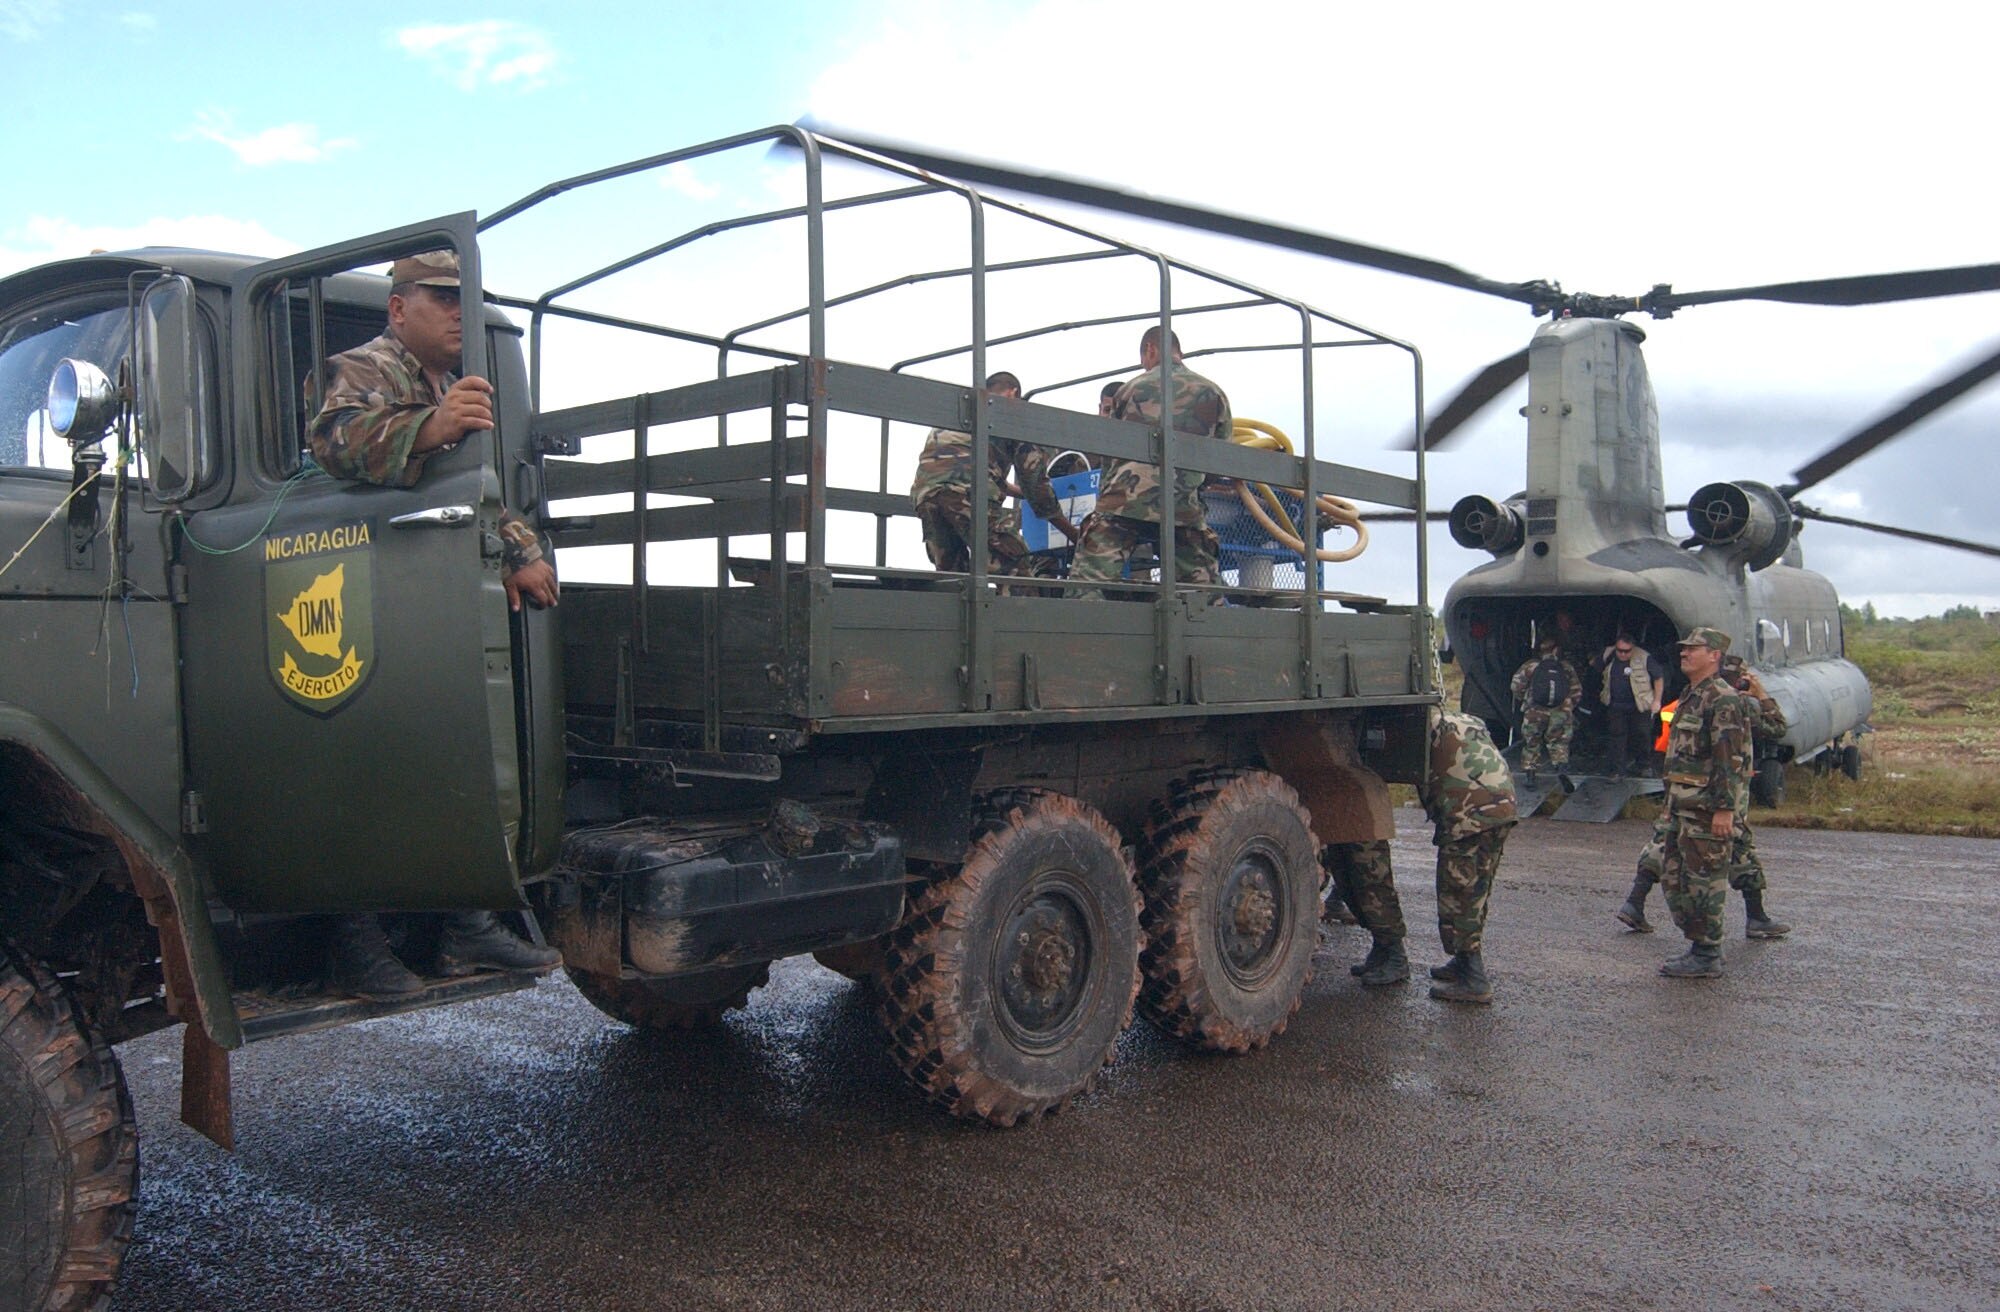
{"x": 942, "y": 493}
{"x": 1746, "y": 871}
{"x": 393, "y": 403}
{"x": 397, "y": 400}
{"x": 1546, "y": 730}
{"x": 1129, "y": 498}
{"x": 1470, "y": 799}
{"x": 1363, "y": 881}
{"x": 1708, "y": 789}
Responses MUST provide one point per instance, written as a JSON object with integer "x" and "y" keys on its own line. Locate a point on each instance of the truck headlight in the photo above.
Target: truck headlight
{"x": 82, "y": 402}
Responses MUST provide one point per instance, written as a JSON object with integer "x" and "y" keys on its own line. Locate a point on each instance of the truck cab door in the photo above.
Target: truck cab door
{"x": 348, "y": 683}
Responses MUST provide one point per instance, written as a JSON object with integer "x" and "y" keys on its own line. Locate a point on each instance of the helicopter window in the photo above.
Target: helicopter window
{"x": 1769, "y": 640}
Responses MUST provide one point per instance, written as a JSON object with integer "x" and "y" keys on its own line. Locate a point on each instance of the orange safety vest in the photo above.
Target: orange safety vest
{"x": 1666, "y": 726}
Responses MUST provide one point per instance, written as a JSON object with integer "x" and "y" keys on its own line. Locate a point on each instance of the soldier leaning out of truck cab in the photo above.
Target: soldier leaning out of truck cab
{"x": 396, "y": 400}
{"x": 393, "y": 402}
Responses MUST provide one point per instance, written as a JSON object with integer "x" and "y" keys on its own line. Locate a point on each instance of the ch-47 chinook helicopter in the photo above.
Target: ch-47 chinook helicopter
{"x": 1585, "y": 547}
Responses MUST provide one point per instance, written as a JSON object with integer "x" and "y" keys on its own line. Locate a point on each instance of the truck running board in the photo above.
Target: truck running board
{"x": 266, "y": 1017}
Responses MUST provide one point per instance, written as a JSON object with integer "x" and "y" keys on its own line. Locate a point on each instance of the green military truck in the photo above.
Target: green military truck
{"x": 238, "y": 695}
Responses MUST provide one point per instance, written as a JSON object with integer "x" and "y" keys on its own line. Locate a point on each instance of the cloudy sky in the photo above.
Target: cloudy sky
{"x": 1597, "y": 145}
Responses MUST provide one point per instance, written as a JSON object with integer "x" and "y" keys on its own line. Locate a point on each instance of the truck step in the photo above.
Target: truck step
{"x": 268, "y": 1017}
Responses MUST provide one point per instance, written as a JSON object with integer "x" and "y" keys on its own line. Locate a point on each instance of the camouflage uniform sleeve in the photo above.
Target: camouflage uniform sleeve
{"x": 1519, "y": 684}
{"x": 369, "y": 422}
{"x": 1728, "y": 787}
{"x": 1770, "y": 719}
{"x": 1575, "y": 687}
{"x": 1031, "y": 466}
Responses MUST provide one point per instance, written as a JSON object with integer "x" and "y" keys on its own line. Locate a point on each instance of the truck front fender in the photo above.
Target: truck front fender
{"x": 44, "y": 773}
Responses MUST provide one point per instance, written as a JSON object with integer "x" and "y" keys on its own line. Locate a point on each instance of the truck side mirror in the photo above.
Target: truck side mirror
{"x": 172, "y": 402}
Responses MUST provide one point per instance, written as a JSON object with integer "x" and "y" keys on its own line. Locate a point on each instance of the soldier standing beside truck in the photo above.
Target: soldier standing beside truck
{"x": 1130, "y": 501}
{"x": 391, "y": 403}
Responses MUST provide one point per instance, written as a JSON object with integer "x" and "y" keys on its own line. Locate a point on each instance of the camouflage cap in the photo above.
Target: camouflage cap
{"x": 1549, "y": 642}
{"x": 431, "y": 269}
{"x": 1703, "y": 636}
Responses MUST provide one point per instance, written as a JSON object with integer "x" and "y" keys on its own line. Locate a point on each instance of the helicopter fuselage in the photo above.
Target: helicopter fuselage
{"x": 1583, "y": 553}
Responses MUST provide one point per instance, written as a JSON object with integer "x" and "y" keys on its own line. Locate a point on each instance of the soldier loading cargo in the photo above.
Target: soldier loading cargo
{"x": 942, "y": 494}
{"x": 1547, "y": 689}
{"x": 1130, "y": 502}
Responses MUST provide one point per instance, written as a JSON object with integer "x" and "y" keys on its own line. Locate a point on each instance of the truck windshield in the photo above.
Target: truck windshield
{"x": 30, "y": 349}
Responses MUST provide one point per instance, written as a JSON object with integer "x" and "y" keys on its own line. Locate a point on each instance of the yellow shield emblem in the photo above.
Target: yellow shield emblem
{"x": 319, "y": 614}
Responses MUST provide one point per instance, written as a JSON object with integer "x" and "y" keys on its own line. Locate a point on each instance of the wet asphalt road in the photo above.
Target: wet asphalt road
{"x": 1821, "y": 1129}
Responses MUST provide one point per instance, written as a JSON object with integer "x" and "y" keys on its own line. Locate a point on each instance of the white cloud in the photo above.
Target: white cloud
{"x": 682, "y": 180}
{"x": 137, "y": 21}
{"x": 42, "y": 238}
{"x": 24, "y": 19}
{"x": 493, "y": 52}
{"x": 287, "y": 143}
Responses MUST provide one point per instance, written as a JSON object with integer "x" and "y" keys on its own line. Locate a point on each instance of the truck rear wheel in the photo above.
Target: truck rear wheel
{"x": 683, "y": 1002}
{"x": 69, "y": 1147}
{"x": 1767, "y": 785}
{"x": 1012, "y": 977}
{"x": 1231, "y": 878}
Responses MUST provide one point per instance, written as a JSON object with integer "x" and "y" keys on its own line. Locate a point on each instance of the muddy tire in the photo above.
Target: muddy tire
{"x": 69, "y": 1151}
{"x": 1850, "y": 762}
{"x": 1013, "y": 975}
{"x": 1230, "y": 872}
{"x": 684, "y": 1002}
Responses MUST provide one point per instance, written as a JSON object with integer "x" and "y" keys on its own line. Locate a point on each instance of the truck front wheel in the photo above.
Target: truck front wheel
{"x": 1012, "y": 977}
{"x": 69, "y": 1151}
{"x": 1230, "y": 872}
{"x": 681, "y": 1002}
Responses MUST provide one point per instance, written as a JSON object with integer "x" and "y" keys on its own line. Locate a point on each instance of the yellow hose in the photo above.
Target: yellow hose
{"x": 1331, "y": 509}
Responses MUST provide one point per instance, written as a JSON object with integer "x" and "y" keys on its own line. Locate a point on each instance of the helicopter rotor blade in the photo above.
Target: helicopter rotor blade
{"x": 1851, "y": 449}
{"x": 1480, "y": 391}
{"x": 1865, "y": 289}
{"x": 1057, "y": 186}
{"x": 1935, "y": 539}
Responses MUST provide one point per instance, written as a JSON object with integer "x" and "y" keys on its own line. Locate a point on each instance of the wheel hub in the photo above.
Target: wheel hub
{"x": 1044, "y": 966}
{"x": 1250, "y": 920}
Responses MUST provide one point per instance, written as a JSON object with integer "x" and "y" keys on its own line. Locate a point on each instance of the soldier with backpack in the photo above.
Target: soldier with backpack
{"x": 1547, "y": 688}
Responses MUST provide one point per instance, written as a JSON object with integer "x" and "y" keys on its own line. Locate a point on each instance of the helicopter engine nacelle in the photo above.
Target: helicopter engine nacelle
{"x": 1483, "y": 524}
{"x": 1750, "y": 519}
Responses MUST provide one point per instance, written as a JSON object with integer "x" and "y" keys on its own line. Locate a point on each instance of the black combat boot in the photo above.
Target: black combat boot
{"x": 1469, "y": 984}
{"x": 1386, "y": 963}
{"x": 1700, "y": 961}
{"x": 1756, "y": 924}
{"x": 1449, "y": 970}
{"x": 363, "y": 964}
{"x": 1632, "y": 915}
{"x": 475, "y": 940}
